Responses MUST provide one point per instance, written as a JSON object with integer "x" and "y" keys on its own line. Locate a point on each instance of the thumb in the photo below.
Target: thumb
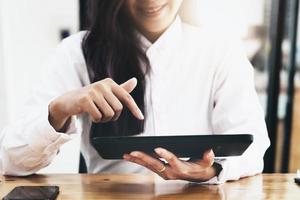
{"x": 208, "y": 159}
{"x": 129, "y": 85}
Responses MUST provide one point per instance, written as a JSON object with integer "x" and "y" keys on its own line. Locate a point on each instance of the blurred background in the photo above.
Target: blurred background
{"x": 31, "y": 29}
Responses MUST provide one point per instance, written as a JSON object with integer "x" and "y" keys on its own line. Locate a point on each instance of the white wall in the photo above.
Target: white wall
{"x": 233, "y": 16}
{"x": 3, "y": 111}
{"x": 30, "y": 32}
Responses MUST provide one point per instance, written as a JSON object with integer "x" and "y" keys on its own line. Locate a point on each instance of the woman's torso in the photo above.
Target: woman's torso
{"x": 179, "y": 89}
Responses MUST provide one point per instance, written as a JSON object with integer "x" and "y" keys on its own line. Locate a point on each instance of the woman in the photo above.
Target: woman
{"x": 140, "y": 70}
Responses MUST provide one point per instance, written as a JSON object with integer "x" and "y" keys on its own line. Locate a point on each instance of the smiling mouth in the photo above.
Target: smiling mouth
{"x": 152, "y": 11}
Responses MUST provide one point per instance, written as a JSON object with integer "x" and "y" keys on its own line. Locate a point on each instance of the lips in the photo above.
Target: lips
{"x": 151, "y": 10}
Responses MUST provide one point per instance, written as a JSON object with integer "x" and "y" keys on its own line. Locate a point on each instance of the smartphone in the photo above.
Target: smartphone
{"x": 33, "y": 193}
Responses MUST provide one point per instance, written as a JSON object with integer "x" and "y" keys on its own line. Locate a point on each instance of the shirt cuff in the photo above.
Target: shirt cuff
{"x": 44, "y": 138}
{"x": 72, "y": 128}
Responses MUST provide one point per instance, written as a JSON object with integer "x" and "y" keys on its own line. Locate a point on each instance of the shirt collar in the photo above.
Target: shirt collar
{"x": 167, "y": 40}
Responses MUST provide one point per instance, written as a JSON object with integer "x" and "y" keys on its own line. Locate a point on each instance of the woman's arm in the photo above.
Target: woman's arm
{"x": 237, "y": 110}
{"x": 30, "y": 143}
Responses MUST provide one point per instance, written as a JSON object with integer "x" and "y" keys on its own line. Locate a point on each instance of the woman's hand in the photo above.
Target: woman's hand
{"x": 198, "y": 170}
{"x": 102, "y": 100}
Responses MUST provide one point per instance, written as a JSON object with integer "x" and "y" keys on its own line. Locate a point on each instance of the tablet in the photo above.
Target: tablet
{"x": 192, "y": 146}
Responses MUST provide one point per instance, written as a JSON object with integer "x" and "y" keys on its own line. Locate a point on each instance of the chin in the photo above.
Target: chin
{"x": 158, "y": 24}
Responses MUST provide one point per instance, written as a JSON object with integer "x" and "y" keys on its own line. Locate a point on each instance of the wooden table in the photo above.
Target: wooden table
{"x": 273, "y": 186}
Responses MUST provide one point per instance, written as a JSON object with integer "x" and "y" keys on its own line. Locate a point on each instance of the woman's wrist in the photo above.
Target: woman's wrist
{"x": 57, "y": 118}
{"x": 212, "y": 172}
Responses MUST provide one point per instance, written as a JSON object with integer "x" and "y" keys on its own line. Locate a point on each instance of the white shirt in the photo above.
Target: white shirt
{"x": 200, "y": 83}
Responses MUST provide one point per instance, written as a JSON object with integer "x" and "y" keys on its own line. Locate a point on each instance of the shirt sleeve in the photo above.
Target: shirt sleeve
{"x": 237, "y": 111}
{"x": 30, "y": 143}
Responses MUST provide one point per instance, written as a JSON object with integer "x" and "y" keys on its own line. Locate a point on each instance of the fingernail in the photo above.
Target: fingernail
{"x": 126, "y": 157}
{"x": 134, "y": 79}
{"x": 158, "y": 150}
{"x": 211, "y": 153}
{"x": 141, "y": 116}
{"x": 135, "y": 154}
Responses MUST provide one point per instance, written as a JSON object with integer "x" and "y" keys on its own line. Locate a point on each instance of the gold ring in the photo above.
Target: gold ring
{"x": 162, "y": 169}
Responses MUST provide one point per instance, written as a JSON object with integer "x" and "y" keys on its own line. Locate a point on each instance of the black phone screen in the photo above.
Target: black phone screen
{"x": 33, "y": 193}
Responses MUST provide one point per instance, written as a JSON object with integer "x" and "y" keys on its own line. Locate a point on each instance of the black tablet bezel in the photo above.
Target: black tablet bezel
{"x": 191, "y": 146}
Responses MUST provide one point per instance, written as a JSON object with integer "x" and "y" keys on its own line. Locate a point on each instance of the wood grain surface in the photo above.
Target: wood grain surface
{"x": 125, "y": 186}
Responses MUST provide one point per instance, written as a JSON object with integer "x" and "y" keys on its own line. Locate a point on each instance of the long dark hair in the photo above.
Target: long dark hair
{"x": 112, "y": 49}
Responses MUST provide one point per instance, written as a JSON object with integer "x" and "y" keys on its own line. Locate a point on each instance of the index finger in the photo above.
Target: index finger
{"x": 150, "y": 161}
{"x": 127, "y": 99}
{"x": 169, "y": 157}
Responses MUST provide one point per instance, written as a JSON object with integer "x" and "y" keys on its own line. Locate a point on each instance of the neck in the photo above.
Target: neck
{"x": 153, "y": 36}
